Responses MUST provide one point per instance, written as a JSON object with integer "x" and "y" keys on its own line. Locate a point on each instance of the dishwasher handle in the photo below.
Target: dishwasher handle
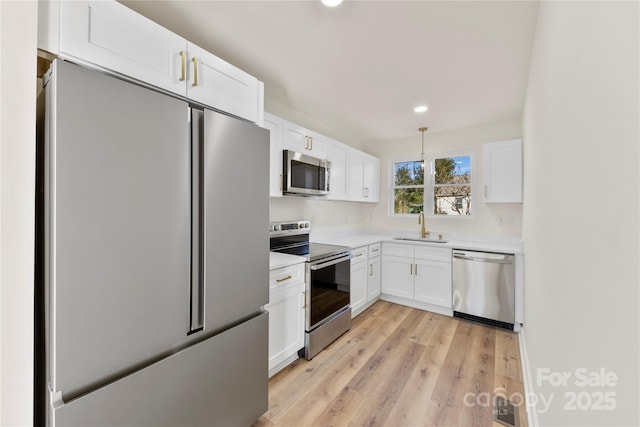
{"x": 461, "y": 255}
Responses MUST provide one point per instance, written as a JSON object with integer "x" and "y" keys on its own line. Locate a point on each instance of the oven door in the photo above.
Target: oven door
{"x": 305, "y": 175}
{"x": 328, "y": 289}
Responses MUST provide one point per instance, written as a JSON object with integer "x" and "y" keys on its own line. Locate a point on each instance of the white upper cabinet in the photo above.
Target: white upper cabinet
{"x": 364, "y": 177}
{"x": 372, "y": 178}
{"x": 503, "y": 171}
{"x": 338, "y": 155}
{"x": 301, "y": 140}
{"x": 110, "y": 36}
{"x": 275, "y": 125}
{"x": 216, "y": 83}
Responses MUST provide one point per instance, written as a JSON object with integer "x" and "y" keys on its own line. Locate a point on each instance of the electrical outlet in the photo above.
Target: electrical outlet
{"x": 506, "y": 219}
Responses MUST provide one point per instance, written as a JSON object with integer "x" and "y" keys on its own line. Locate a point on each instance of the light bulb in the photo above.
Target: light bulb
{"x": 331, "y": 3}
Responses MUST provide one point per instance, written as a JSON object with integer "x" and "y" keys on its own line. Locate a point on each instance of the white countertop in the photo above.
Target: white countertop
{"x": 504, "y": 244}
{"x": 278, "y": 260}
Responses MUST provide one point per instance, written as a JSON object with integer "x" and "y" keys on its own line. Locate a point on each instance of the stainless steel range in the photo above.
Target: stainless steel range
{"x": 328, "y": 283}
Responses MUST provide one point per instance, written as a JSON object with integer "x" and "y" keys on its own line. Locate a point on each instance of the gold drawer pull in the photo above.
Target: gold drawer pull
{"x": 283, "y": 279}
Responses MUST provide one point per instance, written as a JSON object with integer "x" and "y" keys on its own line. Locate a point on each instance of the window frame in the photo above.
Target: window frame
{"x": 429, "y": 185}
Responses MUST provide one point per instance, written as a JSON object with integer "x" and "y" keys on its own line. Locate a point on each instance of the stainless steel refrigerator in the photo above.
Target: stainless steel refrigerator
{"x": 153, "y": 258}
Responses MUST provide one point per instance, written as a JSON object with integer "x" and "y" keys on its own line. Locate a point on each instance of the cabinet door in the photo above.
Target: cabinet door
{"x": 358, "y": 286}
{"x": 338, "y": 155}
{"x": 295, "y": 138}
{"x": 397, "y": 276}
{"x": 275, "y": 125}
{"x": 356, "y": 175}
{"x": 373, "y": 282}
{"x": 433, "y": 282}
{"x": 286, "y": 324}
{"x": 371, "y": 179}
{"x": 112, "y": 36}
{"x": 503, "y": 172}
{"x": 218, "y": 84}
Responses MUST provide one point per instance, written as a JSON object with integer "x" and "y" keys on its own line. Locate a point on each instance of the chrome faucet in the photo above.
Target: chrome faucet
{"x": 423, "y": 230}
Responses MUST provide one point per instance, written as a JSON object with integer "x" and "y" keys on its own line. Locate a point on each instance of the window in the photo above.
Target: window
{"x": 448, "y": 186}
{"x": 452, "y": 185}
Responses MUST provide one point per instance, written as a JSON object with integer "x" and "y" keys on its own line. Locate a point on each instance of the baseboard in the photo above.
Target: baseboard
{"x": 532, "y": 414}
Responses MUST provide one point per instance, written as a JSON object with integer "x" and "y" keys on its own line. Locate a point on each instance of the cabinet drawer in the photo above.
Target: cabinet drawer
{"x": 286, "y": 276}
{"x": 374, "y": 250}
{"x": 397, "y": 249}
{"x": 359, "y": 255}
{"x": 433, "y": 254}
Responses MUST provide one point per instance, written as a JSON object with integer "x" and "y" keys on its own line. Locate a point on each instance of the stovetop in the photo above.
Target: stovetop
{"x": 292, "y": 237}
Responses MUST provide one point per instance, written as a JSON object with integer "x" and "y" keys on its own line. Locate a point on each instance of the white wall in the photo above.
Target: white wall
{"x": 581, "y": 208}
{"x": 467, "y": 140}
{"x": 17, "y": 172}
{"x": 325, "y": 215}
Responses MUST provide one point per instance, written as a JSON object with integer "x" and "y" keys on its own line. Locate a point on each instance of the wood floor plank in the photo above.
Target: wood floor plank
{"x": 508, "y": 348}
{"x": 414, "y": 404}
{"x": 399, "y": 366}
{"x": 339, "y": 364}
{"x": 513, "y": 390}
{"x": 385, "y": 375}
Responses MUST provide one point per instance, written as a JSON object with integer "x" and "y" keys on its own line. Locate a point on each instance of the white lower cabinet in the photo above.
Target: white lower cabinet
{"x": 286, "y": 316}
{"x": 417, "y": 275}
{"x": 433, "y": 282}
{"x": 365, "y": 277}
{"x": 358, "y": 280}
{"x": 373, "y": 281}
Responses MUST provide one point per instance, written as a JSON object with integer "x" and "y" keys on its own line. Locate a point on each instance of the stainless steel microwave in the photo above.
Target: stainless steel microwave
{"x": 305, "y": 175}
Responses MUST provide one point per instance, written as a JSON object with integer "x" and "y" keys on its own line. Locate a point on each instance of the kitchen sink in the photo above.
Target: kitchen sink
{"x": 425, "y": 239}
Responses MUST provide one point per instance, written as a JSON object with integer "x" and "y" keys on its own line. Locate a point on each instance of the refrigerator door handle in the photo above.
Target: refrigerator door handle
{"x": 196, "y": 300}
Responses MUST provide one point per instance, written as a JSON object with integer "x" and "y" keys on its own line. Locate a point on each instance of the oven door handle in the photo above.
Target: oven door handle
{"x": 342, "y": 258}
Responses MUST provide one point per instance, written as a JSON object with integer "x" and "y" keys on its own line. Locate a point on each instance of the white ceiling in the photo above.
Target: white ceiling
{"x": 363, "y": 66}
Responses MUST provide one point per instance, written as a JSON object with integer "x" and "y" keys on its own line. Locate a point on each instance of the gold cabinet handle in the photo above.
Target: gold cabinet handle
{"x": 375, "y": 250}
{"x": 183, "y": 58}
{"x": 306, "y": 145}
{"x": 195, "y": 71}
{"x": 283, "y": 279}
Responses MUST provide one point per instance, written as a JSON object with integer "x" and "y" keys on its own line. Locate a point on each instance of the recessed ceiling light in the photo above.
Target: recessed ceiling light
{"x": 421, "y": 109}
{"x": 331, "y": 3}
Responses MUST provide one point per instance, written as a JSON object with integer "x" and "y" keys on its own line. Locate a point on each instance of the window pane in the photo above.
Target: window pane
{"x": 452, "y": 200}
{"x": 408, "y": 200}
{"x": 409, "y": 173}
{"x": 453, "y": 170}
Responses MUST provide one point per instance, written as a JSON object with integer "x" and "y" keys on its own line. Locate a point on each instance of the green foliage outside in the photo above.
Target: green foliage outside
{"x": 409, "y": 200}
{"x": 454, "y": 198}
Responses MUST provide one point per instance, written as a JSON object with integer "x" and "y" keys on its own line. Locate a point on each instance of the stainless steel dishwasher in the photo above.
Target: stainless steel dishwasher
{"x": 484, "y": 287}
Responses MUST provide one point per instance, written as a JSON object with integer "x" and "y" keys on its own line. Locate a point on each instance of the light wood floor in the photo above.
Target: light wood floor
{"x": 399, "y": 366}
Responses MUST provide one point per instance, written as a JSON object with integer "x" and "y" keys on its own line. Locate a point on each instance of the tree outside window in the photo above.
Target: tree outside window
{"x": 449, "y": 186}
{"x": 452, "y": 186}
{"x": 408, "y": 187}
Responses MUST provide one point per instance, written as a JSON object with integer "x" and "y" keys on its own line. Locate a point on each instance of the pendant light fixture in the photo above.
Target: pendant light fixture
{"x": 331, "y": 3}
{"x": 423, "y": 130}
